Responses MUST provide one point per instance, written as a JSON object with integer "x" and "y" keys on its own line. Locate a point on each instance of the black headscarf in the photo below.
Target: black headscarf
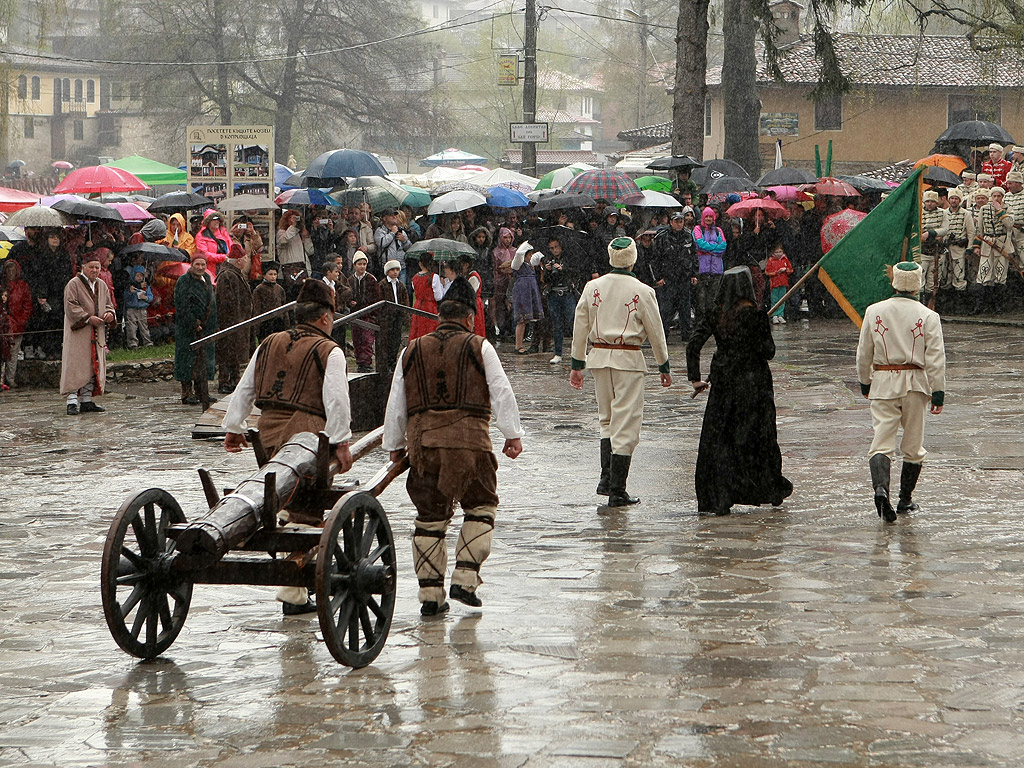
{"x": 736, "y": 285}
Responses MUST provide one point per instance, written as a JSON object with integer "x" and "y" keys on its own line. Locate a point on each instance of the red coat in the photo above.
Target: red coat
{"x": 19, "y": 306}
{"x": 207, "y": 243}
{"x": 997, "y": 170}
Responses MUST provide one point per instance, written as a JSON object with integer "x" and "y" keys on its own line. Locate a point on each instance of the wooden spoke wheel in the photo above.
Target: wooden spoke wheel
{"x": 355, "y": 579}
{"x": 144, "y": 603}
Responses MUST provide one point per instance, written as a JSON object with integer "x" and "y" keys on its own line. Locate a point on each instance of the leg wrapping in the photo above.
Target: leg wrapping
{"x": 430, "y": 559}
{"x": 474, "y": 546}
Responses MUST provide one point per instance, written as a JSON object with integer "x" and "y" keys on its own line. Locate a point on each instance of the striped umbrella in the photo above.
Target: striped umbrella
{"x": 612, "y": 185}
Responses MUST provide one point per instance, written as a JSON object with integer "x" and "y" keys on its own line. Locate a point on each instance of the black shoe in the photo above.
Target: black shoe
{"x": 91, "y": 407}
{"x": 908, "y": 482}
{"x": 298, "y": 609}
{"x": 618, "y": 472}
{"x": 72, "y": 409}
{"x": 463, "y": 595}
{"x": 225, "y": 389}
{"x": 431, "y": 608}
{"x": 191, "y": 400}
{"x": 884, "y": 508}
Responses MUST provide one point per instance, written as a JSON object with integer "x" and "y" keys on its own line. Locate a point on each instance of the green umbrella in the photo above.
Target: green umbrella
{"x": 557, "y": 178}
{"x": 418, "y": 197}
{"x": 379, "y": 198}
{"x": 654, "y": 183}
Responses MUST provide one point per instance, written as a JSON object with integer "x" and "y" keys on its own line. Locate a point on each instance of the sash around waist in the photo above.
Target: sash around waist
{"x": 898, "y": 367}
{"x": 603, "y": 345}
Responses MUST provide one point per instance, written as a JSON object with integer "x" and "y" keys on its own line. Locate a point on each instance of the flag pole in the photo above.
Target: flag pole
{"x": 803, "y": 279}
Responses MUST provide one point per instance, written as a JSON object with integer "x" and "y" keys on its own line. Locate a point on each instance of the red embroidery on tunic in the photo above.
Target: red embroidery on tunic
{"x": 631, "y": 307}
{"x": 917, "y": 333}
{"x": 596, "y": 304}
{"x": 881, "y": 333}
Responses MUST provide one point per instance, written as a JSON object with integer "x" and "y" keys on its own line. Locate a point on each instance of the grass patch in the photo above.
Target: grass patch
{"x": 159, "y": 352}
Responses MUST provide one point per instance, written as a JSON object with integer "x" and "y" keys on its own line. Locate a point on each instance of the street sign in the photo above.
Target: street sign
{"x": 528, "y": 133}
{"x": 508, "y": 69}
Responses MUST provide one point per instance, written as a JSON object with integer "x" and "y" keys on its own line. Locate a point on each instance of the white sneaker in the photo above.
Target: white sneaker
{"x": 775, "y": 320}
{"x": 555, "y": 360}
{"x": 782, "y": 321}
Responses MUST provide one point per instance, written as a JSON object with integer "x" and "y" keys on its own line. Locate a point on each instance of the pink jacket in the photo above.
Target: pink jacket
{"x": 207, "y": 243}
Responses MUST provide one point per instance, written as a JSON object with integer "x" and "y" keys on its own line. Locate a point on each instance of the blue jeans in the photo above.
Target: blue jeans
{"x": 562, "y": 310}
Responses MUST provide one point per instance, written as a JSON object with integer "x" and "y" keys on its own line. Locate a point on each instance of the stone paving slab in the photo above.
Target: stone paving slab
{"x": 810, "y": 635}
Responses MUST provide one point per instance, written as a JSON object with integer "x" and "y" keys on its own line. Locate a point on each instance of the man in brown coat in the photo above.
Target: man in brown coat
{"x": 234, "y": 305}
{"x": 87, "y": 312}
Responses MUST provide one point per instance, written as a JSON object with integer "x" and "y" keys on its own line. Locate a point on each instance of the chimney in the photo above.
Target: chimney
{"x": 787, "y": 17}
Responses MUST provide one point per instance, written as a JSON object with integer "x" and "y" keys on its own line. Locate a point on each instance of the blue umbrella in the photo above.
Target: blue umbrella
{"x": 281, "y": 175}
{"x": 503, "y": 197}
{"x": 304, "y": 197}
{"x": 332, "y": 168}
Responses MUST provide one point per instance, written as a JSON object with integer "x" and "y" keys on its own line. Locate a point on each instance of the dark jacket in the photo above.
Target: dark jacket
{"x": 675, "y": 257}
{"x": 484, "y": 264}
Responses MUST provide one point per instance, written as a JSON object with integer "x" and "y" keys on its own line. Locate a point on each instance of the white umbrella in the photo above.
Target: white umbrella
{"x": 499, "y": 177}
{"x": 453, "y": 202}
{"x": 248, "y": 203}
{"x": 38, "y": 216}
{"x": 654, "y": 199}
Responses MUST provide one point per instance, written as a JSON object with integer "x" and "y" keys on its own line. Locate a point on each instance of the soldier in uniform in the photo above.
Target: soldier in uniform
{"x": 993, "y": 243}
{"x": 299, "y": 380}
{"x": 934, "y": 226}
{"x": 901, "y": 365}
{"x": 616, "y": 314}
{"x": 443, "y": 392}
{"x": 1014, "y": 202}
{"x": 959, "y": 237}
{"x": 996, "y": 165}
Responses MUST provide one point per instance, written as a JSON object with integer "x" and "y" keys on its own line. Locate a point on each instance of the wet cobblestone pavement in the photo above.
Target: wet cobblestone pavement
{"x": 809, "y": 635}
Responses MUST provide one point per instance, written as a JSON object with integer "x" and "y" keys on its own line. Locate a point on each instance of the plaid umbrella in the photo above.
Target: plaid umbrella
{"x": 441, "y": 248}
{"x": 609, "y": 184}
{"x": 837, "y": 225}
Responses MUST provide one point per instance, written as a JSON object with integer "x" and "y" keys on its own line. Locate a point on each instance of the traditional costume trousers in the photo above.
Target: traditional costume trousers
{"x": 955, "y": 274}
{"x": 992, "y": 267}
{"x": 933, "y": 265}
{"x": 887, "y": 416}
{"x": 620, "y": 407}
{"x": 434, "y": 511}
{"x": 83, "y": 394}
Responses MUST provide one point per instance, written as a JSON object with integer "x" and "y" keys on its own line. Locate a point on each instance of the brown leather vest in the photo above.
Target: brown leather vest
{"x": 290, "y": 368}
{"x": 444, "y": 371}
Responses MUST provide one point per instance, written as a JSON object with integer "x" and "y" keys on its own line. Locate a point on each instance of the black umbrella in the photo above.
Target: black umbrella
{"x": 331, "y": 169}
{"x": 786, "y": 177}
{"x": 729, "y": 184}
{"x": 936, "y": 174}
{"x": 865, "y": 183}
{"x": 717, "y": 168}
{"x": 154, "y": 252}
{"x": 565, "y": 200}
{"x": 675, "y": 163}
{"x": 976, "y": 132}
{"x": 178, "y": 201}
{"x": 87, "y": 209}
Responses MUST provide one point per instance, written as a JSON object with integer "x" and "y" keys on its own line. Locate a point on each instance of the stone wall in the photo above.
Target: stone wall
{"x": 45, "y": 374}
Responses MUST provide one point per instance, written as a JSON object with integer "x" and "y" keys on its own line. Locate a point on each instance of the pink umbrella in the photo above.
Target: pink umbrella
{"x": 131, "y": 212}
{"x": 830, "y": 185}
{"x": 747, "y": 207}
{"x": 100, "y": 179}
{"x": 790, "y": 194}
{"x": 16, "y": 199}
{"x": 472, "y": 168}
{"x": 837, "y": 225}
{"x": 64, "y": 165}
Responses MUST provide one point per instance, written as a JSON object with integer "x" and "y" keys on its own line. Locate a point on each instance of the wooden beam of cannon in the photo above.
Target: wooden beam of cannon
{"x": 303, "y": 466}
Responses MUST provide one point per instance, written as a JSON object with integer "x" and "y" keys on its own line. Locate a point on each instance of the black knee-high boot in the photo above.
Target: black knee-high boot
{"x": 617, "y": 496}
{"x": 880, "y": 465}
{"x": 606, "y": 464}
{"x": 908, "y": 481}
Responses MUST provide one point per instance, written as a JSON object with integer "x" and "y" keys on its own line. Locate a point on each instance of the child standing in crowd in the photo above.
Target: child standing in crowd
{"x": 778, "y": 270}
{"x": 18, "y": 308}
{"x": 266, "y": 296}
{"x": 137, "y": 298}
{"x": 365, "y": 291}
{"x": 428, "y": 291}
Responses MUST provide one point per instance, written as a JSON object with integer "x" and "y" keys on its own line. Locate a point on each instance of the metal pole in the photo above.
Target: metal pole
{"x": 530, "y": 86}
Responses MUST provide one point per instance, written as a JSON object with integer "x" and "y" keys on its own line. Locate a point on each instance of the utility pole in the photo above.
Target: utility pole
{"x": 530, "y": 86}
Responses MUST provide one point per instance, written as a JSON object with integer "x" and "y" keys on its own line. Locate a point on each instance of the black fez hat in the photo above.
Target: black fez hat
{"x": 462, "y": 291}
{"x": 316, "y": 292}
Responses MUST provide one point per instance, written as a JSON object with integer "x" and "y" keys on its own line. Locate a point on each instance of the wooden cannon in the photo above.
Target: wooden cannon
{"x": 153, "y": 556}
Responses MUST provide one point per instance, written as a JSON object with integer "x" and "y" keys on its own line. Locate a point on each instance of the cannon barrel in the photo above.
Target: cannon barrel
{"x": 304, "y": 463}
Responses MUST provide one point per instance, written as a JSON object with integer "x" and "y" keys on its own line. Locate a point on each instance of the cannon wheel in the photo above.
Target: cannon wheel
{"x": 135, "y": 581}
{"x": 355, "y": 579}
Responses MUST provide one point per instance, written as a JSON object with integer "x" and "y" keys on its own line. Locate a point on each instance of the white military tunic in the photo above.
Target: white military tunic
{"x": 901, "y": 331}
{"x": 936, "y": 224}
{"x": 992, "y": 237}
{"x": 617, "y": 314}
{"x": 960, "y": 236}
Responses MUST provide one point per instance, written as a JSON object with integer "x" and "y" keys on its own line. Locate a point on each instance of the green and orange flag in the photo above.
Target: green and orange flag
{"x": 854, "y": 271}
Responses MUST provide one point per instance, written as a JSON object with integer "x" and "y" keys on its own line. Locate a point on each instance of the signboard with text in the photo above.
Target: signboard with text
{"x": 779, "y": 124}
{"x": 224, "y": 161}
{"x": 508, "y": 69}
{"x": 528, "y": 133}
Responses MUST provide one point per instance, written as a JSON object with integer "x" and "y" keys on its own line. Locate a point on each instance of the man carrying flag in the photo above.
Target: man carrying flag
{"x": 901, "y": 365}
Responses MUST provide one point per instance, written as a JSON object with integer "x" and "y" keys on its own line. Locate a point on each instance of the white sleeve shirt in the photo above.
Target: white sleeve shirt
{"x": 334, "y": 393}
{"x": 503, "y": 402}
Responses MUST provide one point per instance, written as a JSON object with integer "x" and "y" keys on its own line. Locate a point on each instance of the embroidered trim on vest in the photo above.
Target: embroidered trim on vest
{"x": 285, "y": 365}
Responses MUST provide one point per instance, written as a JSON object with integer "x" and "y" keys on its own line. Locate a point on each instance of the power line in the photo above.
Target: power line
{"x": 609, "y": 18}
{"x": 265, "y": 59}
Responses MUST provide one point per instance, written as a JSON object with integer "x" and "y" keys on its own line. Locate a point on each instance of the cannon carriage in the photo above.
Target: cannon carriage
{"x": 153, "y": 555}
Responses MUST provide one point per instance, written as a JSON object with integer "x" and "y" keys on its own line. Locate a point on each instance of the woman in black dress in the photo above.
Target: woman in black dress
{"x": 739, "y": 461}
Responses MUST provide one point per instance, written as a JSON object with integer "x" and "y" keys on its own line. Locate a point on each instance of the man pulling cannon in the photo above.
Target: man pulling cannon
{"x": 443, "y": 392}
{"x": 299, "y": 380}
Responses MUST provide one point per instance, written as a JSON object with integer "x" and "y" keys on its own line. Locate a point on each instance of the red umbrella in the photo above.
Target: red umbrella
{"x": 16, "y": 199}
{"x": 99, "y": 179}
{"x": 789, "y": 194}
{"x": 837, "y": 225}
{"x": 747, "y": 207}
{"x": 830, "y": 185}
{"x": 609, "y": 184}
